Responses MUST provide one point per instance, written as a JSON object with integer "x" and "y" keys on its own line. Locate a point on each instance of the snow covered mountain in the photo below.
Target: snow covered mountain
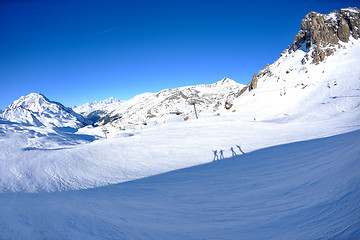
{"x": 170, "y": 104}
{"x": 104, "y": 105}
{"x": 35, "y": 109}
{"x": 279, "y": 161}
{"x": 97, "y": 109}
{"x": 314, "y": 72}
{"x": 317, "y": 78}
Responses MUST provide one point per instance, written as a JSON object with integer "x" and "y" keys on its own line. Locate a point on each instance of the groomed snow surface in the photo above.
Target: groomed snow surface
{"x": 282, "y": 163}
{"x": 302, "y": 190}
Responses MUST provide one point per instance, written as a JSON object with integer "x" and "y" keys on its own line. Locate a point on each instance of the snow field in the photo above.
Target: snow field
{"x": 143, "y": 152}
{"x": 302, "y": 190}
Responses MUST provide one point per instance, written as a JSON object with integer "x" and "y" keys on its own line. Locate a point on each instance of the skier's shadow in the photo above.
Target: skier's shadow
{"x": 233, "y": 153}
{"x": 240, "y": 149}
{"x": 221, "y": 154}
{"x": 216, "y": 156}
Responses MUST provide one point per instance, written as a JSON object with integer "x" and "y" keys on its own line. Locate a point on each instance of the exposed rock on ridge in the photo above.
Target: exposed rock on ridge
{"x": 320, "y": 36}
{"x": 253, "y": 83}
{"x": 324, "y": 32}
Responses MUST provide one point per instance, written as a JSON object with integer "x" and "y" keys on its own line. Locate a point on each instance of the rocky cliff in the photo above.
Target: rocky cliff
{"x": 319, "y": 37}
{"x": 325, "y": 32}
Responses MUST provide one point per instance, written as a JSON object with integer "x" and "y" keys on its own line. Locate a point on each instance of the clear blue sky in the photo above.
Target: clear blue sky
{"x": 85, "y": 50}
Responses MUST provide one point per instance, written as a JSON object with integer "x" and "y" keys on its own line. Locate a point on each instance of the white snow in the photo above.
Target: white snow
{"x": 303, "y": 190}
{"x": 331, "y": 16}
{"x": 350, "y": 10}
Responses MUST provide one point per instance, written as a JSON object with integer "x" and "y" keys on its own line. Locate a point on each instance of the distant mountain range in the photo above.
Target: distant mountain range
{"x": 173, "y": 103}
{"x": 319, "y": 70}
{"x": 97, "y": 109}
{"x": 97, "y": 105}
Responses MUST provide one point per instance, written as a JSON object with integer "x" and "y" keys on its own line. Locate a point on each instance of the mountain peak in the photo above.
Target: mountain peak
{"x": 323, "y": 29}
{"x": 36, "y": 109}
{"x": 34, "y": 102}
{"x": 111, "y": 100}
{"x": 225, "y": 81}
{"x": 324, "y": 32}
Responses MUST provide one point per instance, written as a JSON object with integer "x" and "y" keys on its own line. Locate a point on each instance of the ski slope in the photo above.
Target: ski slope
{"x": 42, "y": 158}
{"x": 302, "y": 190}
{"x": 282, "y": 163}
{"x": 292, "y": 90}
{"x": 142, "y": 152}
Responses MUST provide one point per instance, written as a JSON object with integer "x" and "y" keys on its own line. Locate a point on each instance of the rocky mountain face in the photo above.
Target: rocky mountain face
{"x": 173, "y": 103}
{"x": 35, "y": 109}
{"x": 296, "y": 70}
{"x": 320, "y": 71}
{"x": 326, "y": 32}
{"x": 319, "y": 37}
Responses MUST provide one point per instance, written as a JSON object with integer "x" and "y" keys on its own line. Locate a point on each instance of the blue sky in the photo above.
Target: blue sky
{"x": 84, "y": 50}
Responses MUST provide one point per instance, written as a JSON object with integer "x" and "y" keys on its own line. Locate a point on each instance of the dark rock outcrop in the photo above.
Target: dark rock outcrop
{"x": 243, "y": 90}
{"x": 352, "y": 17}
{"x": 320, "y": 36}
{"x": 325, "y": 31}
{"x": 253, "y": 83}
{"x": 265, "y": 71}
{"x": 250, "y": 86}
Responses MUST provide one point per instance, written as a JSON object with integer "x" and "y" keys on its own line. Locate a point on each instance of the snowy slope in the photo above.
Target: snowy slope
{"x": 303, "y": 190}
{"x": 291, "y": 90}
{"x": 293, "y": 102}
{"x": 35, "y": 109}
{"x": 141, "y": 152}
{"x": 317, "y": 78}
{"x": 162, "y": 106}
{"x": 259, "y": 188}
{"x": 302, "y": 104}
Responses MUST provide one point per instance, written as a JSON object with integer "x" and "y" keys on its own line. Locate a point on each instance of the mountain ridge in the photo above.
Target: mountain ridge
{"x": 161, "y": 105}
{"x": 35, "y": 109}
{"x": 326, "y": 32}
{"x": 300, "y": 66}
